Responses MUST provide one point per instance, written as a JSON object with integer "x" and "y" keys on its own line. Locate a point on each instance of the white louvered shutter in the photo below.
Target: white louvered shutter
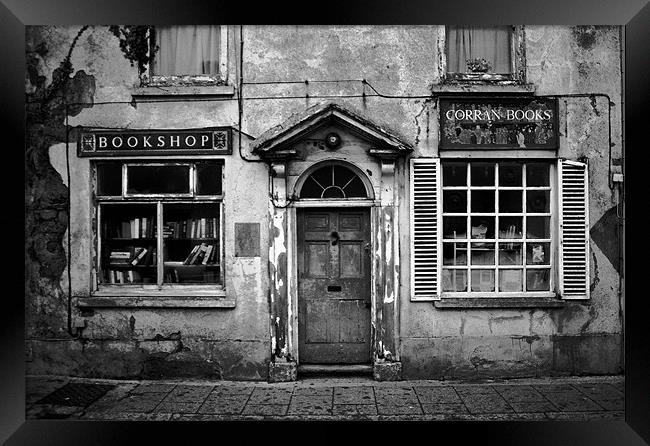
{"x": 574, "y": 229}
{"x": 425, "y": 229}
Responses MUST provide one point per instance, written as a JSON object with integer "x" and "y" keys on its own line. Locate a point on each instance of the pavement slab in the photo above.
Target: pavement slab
{"x": 437, "y": 395}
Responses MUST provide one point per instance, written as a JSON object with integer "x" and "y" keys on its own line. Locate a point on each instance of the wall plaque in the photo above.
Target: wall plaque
{"x": 485, "y": 123}
{"x": 247, "y": 239}
{"x": 154, "y": 142}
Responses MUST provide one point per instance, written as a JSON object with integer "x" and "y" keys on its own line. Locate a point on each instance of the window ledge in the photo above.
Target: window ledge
{"x": 112, "y": 298}
{"x": 474, "y": 87}
{"x": 499, "y": 302}
{"x": 165, "y": 91}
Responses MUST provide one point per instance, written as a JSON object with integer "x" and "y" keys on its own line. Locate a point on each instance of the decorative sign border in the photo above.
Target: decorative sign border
{"x": 484, "y": 123}
{"x": 127, "y": 142}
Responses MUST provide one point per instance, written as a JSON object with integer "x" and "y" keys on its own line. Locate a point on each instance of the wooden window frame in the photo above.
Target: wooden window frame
{"x": 517, "y": 63}
{"x": 159, "y": 289}
{"x": 553, "y": 240}
{"x": 155, "y": 80}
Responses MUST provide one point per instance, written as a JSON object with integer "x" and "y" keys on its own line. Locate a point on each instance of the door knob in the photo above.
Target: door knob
{"x": 334, "y": 237}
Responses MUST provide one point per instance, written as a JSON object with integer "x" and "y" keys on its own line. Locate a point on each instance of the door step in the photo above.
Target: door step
{"x": 335, "y": 369}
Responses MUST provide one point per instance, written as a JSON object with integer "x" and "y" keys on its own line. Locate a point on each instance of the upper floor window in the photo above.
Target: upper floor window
{"x": 484, "y": 53}
{"x": 189, "y": 54}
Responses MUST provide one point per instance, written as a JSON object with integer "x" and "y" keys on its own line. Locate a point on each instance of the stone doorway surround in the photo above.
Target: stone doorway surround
{"x": 383, "y": 150}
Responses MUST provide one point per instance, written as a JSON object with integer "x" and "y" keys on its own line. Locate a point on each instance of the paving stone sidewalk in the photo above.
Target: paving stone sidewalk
{"x": 583, "y": 398}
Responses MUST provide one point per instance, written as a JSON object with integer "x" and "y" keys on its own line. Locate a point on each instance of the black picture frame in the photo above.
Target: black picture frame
{"x": 634, "y": 14}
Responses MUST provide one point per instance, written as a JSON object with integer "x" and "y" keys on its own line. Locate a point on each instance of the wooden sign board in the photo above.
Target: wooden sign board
{"x": 484, "y": 123}
{"x": 206, "y": 141}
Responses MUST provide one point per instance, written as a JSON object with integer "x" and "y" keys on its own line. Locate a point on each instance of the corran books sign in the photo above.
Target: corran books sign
{"x": 484, "y": 123}
{"x": 154, "y": 142}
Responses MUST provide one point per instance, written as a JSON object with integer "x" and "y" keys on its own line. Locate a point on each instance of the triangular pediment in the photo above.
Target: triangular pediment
{"x": 278, "y": 141}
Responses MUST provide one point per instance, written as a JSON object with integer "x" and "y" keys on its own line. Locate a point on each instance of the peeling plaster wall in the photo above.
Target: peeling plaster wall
{"x": 583, "y": 337}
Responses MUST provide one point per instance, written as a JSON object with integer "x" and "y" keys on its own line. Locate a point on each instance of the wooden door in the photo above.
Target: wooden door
{"x": 334, "y": 286}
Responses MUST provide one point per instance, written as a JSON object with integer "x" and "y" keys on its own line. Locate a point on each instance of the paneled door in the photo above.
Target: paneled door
{"x": 334, "y": 286}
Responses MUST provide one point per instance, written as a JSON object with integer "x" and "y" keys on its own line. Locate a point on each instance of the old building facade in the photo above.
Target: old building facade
{"x": 400, "y": 199}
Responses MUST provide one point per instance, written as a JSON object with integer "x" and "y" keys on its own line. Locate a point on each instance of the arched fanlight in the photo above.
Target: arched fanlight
{"x": 333, "y": 182}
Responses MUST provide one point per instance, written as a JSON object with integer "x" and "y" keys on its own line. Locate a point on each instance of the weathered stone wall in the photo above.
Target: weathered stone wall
{"x": 399, "y": 62}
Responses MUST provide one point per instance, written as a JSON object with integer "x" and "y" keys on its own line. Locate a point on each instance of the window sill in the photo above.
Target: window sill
{"x": 484, "y": 86}
{"x": 498, "y": 302}
{"x": 121, "y": 297}
{"x": 173, "y": 91}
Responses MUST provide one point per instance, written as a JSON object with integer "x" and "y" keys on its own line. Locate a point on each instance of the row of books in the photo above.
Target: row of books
{"x": 122, "y": 276}
{"x": 133, "y": 256}
{"x": 141, "y": 227}
{"x": 202, "y": 254}
{"x": 192, "y": 228}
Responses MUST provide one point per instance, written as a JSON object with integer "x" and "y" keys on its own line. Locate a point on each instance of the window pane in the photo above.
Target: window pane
{"x": 187, "y": 50}
{"x": 511, "y": 280}
{"x": 491, "y": 43}
{"x": 510, "y": 227}
{"x": 510, "y": 201}
{"x": 128, "y": 251}
{"x": 454, "y": 253}
{"x": 482, "y": 200}
{"x": 537, "y": 280}
{"x": 482, "y": 174}
{"x": 109, "y": 179}
{"x": 509, "y": 174}
{"x": 482, "y": 253}
{"x": 191, "y": 240}
{"x": 483, "y": 280}
{"x": 208, "y": 178}
{"x": 537, "y": 253}
{"x": 171, "y": 179}
{"x": 537, "y": 174}
{"x": 454, "y": 174}
{"x": 454, "y": 280}
{"x": 538, "y": 227}
{"x": 454, "y": 227}
{"x": 537, "y": 201}
{"x": 510, "y": 253}
{"x": 482, "y": 227}
{"x": 454, "y": 201}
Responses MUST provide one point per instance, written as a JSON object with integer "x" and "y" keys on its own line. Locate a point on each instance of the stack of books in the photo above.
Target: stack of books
{"x": 133, "y": 256}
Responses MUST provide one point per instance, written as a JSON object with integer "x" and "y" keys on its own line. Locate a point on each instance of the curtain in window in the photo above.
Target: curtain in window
{"x": 187, "y": 50}
{"x": 469, "y": 42}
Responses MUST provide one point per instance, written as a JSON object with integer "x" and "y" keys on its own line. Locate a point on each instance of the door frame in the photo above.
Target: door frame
{"x": 386, "y": 245}
{"x": 292, "y": 267}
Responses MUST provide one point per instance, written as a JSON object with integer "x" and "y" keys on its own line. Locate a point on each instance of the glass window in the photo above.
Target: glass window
{"x": 187, "y": 50}
{"x": 109, "y": 179}
{"x": 479, "y": 49}
{"x": 333, "y": 181}
{"x": 184, "y": 200}
{"x": 155, "y": 179}
{"x": 496, "y": 228}
{"x": 191, "y": 243}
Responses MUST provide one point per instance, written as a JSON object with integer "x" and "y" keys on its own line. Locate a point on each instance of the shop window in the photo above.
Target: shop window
{"x": 189, "y": 54}
{"x": 483, "y": 53}
{"x": 496, "y": 219}
{"x": 159, "y": 224}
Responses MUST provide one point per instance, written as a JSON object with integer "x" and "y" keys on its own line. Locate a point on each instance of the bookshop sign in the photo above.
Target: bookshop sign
{"x": 154, "y": 142}
{"x": 484, "y": 123}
